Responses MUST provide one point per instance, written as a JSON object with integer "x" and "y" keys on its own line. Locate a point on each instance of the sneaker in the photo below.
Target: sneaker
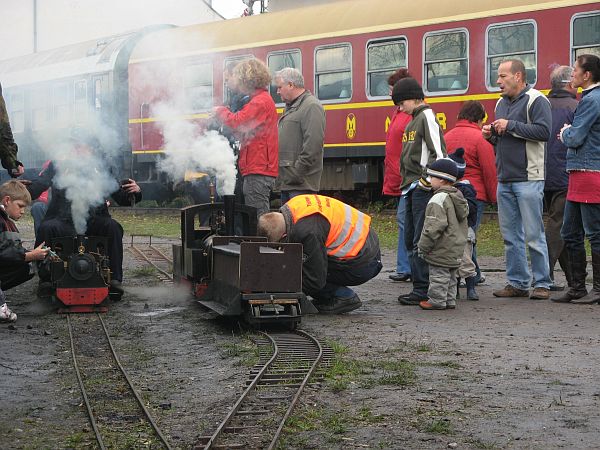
{"x": 6, "y": 315}
{"x": 411, "y": 299}
{"x": 511, "y": 291}
{"x": 540, "y": 293}
{"x": 450, "y": 305}
{"x": 425, "y": 304}
{"x": 481, "y": 279}
{"x": 400, "y": 277}
{"x": 338, "y": 305}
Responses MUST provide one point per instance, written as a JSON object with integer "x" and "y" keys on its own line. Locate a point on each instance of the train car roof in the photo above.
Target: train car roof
{"x": 321, "y": 21}
{"x": 91, "y": 56}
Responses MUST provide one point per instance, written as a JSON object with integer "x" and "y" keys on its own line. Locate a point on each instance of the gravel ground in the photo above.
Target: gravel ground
{"x": 498, "y": 373}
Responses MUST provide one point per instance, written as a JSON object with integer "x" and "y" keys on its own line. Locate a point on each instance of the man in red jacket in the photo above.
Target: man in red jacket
{"x": 255, "y": 125}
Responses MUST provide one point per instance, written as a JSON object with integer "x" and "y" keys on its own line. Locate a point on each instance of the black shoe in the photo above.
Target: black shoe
{"x": 557, "y": 288}
{"x": 338, "y": 305}
{"x": 411, "y": 299}
{"x": 400, "y": 277}
{"x": 116, "y": 288}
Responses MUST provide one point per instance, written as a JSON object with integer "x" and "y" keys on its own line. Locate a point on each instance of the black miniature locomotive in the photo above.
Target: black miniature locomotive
{"x": 233, "y": 272}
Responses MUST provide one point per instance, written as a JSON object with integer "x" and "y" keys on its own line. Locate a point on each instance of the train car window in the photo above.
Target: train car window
{"x": 61, "y": 104}
{"x": 39, "y": 108}
{"x": 228, "y": 65}
{"x": 585, "y": 35}
{"x": 198, "y": 86}
{"x": 279, "y": 60}
{"x": 333, "y": 72}
{"x": 446, "y": 61}
{"x": 16, "y": 111}
{"x": 383, "y": 59}
{"x": 80, "y": 101}
{"x": 515, "y": 40}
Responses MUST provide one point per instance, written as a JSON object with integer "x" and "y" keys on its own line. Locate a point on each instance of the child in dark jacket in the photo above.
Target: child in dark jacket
{"x": 467, "y": 270}
{"x": 15, "y": 267}
{"x": 444, "y": 235}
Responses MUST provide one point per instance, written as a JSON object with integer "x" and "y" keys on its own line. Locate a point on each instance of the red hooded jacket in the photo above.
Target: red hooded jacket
{"x": 393, "y": 150}
{"x": 255, "y": 125}
{"x": 479, "y": 158}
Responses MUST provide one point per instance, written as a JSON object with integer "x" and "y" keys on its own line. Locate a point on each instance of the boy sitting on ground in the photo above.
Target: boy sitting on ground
{"x": 444, "y": 235}
{"x": 15, "y": 267}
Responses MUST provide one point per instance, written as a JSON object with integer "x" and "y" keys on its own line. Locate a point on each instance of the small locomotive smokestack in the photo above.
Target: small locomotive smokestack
{"x": 229, "y": 202}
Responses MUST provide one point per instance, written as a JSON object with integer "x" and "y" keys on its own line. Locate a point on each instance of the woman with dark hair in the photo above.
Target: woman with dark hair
{"x": 392, "y": 178}
{"x": 582, "y": 211}
{"x": 479, "y": 157}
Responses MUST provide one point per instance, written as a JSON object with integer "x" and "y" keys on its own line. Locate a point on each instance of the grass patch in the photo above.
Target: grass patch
{"x": 442, "y": 426}
{"x": 368, "y": 374}
{"x": 245, "y": 351}
{"x": 142, "y": 272}
{"x": 157, "y": 224}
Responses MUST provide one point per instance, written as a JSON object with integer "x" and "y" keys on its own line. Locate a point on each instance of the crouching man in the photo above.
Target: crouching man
{"x": 340, "y": 248}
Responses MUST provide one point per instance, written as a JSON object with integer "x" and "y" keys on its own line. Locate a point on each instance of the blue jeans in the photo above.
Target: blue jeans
{"x": 581, "y": 220}
{"x": 402, "y": 261}
{"x": 416, "y": 203}
{"x": 287, "y": 195}
{"x": 520, "y": 207}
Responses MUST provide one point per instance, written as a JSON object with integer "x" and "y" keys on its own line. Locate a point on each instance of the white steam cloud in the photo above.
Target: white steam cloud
{"x": 188, "y": 148}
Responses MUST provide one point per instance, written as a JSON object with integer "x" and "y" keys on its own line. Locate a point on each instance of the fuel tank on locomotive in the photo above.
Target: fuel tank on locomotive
{"x": 79, "y": 272}
{"x": 236, "y": 273}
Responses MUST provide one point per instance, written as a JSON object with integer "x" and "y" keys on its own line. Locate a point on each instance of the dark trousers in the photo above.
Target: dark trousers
{"x": 581, "y": 220}
{"x": 13, "y": 276}
{"x": 554, "y": 203}
{"x": 416, "y": 203}
{"x": 97, "y": 226}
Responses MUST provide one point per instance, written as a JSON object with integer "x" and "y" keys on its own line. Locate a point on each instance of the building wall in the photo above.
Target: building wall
{"x": 63, "y": 22}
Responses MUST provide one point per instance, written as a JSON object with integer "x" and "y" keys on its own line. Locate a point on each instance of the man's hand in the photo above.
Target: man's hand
{"x": 130, "y": 186}
{"x": 486, "y": 131}
{"x": 500, "y": 126}
{"x": 38, "y": 253}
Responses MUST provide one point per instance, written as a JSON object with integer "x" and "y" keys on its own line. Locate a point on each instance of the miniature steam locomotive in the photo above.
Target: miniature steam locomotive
{"x": 235, "y": 273}
{"x": 80, "y": 273}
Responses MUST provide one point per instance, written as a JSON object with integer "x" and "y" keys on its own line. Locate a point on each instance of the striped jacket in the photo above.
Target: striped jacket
{"x": 521, "y": 151}
{"x": 422, "y": 143}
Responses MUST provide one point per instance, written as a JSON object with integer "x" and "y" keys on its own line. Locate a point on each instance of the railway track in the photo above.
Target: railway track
{"x": 287, "y": 361}
{"x": 156, "y": 258}
{"x": 116, "y": 411}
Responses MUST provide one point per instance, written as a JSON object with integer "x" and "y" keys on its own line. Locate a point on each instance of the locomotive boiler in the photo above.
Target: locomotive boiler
{"x": 79, "y": 272}
{"x": 233, "y": 272}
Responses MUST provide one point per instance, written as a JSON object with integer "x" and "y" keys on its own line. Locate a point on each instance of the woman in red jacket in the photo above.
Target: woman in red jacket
{"x": 255, "y": 125}
{"x": 392, "y": 178}
{"x": 480, "y": 158}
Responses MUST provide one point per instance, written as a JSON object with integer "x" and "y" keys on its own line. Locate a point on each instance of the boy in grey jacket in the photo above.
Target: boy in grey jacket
{"x": 444, "y": 235}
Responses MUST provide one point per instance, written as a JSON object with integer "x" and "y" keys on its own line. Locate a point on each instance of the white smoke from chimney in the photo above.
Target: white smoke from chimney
{"x": 189, "y": 148}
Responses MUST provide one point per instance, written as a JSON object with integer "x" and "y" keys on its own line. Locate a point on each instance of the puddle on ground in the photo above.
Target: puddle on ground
{"x": 159, "y": 311}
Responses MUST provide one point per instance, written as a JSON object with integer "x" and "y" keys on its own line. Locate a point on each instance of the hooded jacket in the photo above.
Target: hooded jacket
{"x": 422, "y": 143}
{"x": 444, "y": 235}
{"x": 255, "y": 125}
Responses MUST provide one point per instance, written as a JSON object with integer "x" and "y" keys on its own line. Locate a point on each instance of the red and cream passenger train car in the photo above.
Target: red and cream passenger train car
{"x": 346, "y": 51}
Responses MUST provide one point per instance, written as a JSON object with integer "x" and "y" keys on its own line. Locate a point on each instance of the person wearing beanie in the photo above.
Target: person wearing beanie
{"x": 467, "y": 269}
{"x": 444, "y": 236}
{"x": 422, "y": 144}
{"x": 392, "y": 178}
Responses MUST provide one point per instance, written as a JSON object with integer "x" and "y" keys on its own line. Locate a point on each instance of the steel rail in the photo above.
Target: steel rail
{"x": 82, "y": 388}
{"x": 300, "y": 389}
{"x": 140, "y": 253}
{"x": 219, "y": 431}
{"x": 129, "y": 382}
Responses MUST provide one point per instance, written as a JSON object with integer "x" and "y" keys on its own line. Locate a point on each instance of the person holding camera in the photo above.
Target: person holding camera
{"x": 519, "y": 135}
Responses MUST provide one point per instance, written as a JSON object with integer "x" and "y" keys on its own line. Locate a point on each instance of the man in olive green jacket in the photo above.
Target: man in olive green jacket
{"x": 301, "y": 135}
{"x": 8, "y": 147}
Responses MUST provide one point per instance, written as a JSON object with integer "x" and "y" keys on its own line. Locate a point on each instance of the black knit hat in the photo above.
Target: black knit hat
{"x": 407, "y": 89}
{"x": 458, "y": 158}
{"x": 443, "y": 168}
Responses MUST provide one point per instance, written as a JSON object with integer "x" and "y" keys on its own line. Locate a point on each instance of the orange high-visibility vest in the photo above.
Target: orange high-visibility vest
{"x": 348, "y": 226}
